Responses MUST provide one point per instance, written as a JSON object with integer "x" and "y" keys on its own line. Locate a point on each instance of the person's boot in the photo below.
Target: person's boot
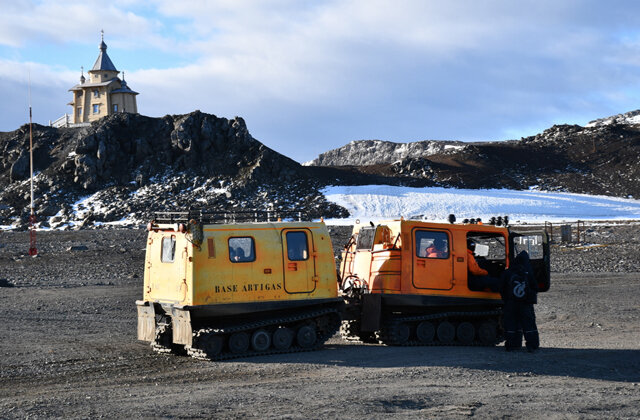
{"x": 513, "y": 340}
{"x": 533, "y": 341}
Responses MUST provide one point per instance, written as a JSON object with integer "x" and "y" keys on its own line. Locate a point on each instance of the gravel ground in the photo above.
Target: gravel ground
{"x": 603, "y": 248}
{"x": 69, "y": 350}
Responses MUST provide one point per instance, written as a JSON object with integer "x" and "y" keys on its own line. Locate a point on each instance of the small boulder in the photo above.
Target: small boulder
{"x": 5, "y": 283}
{"x": 77, "y": 248}
{"x": 20, "y": 168}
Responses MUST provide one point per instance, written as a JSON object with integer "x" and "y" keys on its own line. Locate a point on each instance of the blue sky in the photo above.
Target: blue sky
{"x": 309, "y": 76}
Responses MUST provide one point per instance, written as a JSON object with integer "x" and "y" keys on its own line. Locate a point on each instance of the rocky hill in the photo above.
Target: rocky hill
{"x": 127, "y": 166}
{"x": 601, "y": 158}
{"x": 374, "y": 152}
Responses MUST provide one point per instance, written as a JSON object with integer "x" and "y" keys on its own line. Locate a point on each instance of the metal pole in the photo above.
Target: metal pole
{"x": 32, "y": 218}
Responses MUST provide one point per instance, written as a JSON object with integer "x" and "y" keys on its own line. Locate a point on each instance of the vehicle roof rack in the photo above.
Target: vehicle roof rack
{"x": 222, "y": 217}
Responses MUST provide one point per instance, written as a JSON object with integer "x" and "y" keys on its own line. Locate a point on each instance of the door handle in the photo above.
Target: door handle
{"x": 292, "y": 266}
{"x": 421, "y": 263}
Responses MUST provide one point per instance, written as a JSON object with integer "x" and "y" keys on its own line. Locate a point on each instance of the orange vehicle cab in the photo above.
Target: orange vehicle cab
{"x": 409, "y": 280}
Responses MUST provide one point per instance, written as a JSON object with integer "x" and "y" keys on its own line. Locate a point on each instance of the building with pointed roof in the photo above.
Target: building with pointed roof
{"x": 104, "y": 93}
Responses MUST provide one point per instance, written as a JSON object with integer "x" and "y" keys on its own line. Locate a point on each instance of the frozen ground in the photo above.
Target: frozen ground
{"x": 69, "y": 350}
{"x": 376, "y": 202}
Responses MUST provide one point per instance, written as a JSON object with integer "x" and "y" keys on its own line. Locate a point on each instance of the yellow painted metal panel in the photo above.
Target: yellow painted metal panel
{"x": 208, "y": 274}
{"x": 299, "y": 270}
{"x": 168, "y": 281}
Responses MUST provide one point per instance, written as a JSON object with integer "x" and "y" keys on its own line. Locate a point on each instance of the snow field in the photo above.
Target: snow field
{"x": 379, "y": 202}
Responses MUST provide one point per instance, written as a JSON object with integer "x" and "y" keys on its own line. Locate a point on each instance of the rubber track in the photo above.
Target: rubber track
{"x": 468, "y": 316}
{"x": 350, "y": 331}
{"x": 162, "y": 341}
{"x": 322, "y": 336}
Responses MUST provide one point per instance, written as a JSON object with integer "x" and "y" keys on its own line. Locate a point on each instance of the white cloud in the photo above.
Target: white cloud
{"x": 49, "y": 94}
{"x": 333, "y": 71}
{"x": 51, "y": 21}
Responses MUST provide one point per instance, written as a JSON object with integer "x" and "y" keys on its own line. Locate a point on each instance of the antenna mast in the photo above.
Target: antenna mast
{"x": 32, "y": 218}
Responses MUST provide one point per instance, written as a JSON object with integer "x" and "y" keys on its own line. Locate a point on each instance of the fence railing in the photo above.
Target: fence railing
{"x": 65, "y": 121}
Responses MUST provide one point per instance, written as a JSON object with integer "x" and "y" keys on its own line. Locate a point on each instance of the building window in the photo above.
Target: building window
{"x": 96, "y": 93}
{"x": 79, "y": 111}
{"x": 96, "y": 108}
{"x": 115, "y": 107}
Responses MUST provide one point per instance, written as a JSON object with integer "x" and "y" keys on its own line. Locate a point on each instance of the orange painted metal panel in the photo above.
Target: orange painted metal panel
{"x": 399, "y": 270}
{"x": 386, "y": 271}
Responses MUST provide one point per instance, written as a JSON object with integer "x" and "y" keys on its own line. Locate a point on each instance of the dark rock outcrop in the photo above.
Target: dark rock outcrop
{"x": 127, "y": 165}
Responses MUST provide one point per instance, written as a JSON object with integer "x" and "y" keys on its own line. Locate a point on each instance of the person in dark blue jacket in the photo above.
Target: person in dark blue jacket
{"x": 519, "y": 294}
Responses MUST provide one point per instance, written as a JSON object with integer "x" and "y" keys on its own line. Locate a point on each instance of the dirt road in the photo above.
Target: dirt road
{"x": 68, "y": 349}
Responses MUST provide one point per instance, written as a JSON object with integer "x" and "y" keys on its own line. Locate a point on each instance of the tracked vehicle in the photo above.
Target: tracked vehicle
{"x": 220, "y": 286}
{"x": 401, "y": 290}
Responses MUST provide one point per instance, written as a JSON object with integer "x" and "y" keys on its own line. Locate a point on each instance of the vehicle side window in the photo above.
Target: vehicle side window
{"x": 242, "y": 249}
{"x": 168, "y": 251}
{"x": 530, "y": 243}
{"x": 432, "y": 244}
{"x": 365, "y": 238}
{"x": 297, "y": 248}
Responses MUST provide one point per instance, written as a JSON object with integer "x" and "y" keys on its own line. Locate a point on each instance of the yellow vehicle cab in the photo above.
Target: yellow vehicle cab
{"x": 220, "y": 285}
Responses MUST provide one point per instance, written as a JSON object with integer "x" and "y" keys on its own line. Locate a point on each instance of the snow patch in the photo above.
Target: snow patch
{"x": 632, "y": 117}
{"x": 452, "y": 147}
{"x": 84, "y": 205}
{"x": 380, "y": 202}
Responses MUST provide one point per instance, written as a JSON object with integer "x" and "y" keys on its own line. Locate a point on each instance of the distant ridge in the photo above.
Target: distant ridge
{"x": 601, "y": 158}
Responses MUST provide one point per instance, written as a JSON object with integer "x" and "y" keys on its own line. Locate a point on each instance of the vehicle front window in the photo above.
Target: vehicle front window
{"x": 490, "y": 246}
